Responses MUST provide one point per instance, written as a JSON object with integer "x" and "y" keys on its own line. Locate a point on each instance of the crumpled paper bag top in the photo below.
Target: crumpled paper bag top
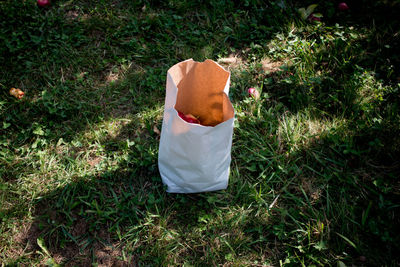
{"x": 201, "y": 91}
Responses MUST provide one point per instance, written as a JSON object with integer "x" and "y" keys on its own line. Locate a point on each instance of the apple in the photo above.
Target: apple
{"x": 17, "y": 93}
{"x": 43, "y": 3}
{"x": 188, "y": 118}
{"x": 343, "y": 6}
{"x": 253, "y": 93}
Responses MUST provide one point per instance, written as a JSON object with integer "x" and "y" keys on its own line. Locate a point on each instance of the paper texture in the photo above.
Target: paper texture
{"x": 196, "y": 158}
{"x": 201, "y": 91}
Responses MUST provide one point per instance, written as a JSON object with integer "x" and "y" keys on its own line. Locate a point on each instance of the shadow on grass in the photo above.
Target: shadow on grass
{"x": 117, "y": 216}
{"x": 115, "y": 219}
{"x": 82, "y": 222}
{"x": 337, "y": 187}
{"x": 381, "y": 49}
{"x": 353, "y": 187}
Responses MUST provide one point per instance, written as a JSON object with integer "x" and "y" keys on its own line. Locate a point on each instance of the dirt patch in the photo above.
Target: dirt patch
{"x": 112, "y": 77}
{"x": 103, "y": 252}
{"x": 116, "y": 72}
{"x": 80, "y": 228}
{"x": 308, "y": 184}
{"x": 28, "y": 236}
{"x": 231, "y": 62}
{"x": 111, "y": 256}
{"x": 72, "y": 15}
{"x": 271, "y": 66}
{"x": 19, "y": 243}
{"x": 104, "y": 256}
{"x": 94, "y": 161}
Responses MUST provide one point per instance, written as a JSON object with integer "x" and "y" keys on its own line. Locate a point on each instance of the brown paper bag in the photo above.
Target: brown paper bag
{"x": 201, "y": 91}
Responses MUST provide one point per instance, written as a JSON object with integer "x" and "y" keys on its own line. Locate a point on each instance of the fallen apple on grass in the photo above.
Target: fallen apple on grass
{"x": 343, "y": 6}
{"x": 43, "y": 3}
{"x": 253, "y": 93}
{"x": 17, "y": 93}
{"x": 188, "y": 118}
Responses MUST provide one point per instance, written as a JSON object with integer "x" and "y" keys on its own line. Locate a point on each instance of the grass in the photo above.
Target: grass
{"x": 315, "y": 166}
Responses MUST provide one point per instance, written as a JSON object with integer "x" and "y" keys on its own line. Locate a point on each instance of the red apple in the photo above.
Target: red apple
{"x": 188, "y": 118}
{"x": 43, "y": 3}
{"x": 253, "y": 93}
{"x": 343, "y": 6}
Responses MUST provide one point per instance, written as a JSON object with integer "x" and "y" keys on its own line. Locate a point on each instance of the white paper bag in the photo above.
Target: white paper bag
{"x": 196, "y": 158}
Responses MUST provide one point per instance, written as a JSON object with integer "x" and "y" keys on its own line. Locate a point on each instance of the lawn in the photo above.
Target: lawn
{"x": 315, "y": 160}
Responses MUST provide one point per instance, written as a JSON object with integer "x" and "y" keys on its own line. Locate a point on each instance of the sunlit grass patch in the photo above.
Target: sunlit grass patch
{"x": 301, "y": 131}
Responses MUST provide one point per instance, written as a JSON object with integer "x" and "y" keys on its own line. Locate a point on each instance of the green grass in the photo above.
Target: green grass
{"x": 315, "y": 166}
